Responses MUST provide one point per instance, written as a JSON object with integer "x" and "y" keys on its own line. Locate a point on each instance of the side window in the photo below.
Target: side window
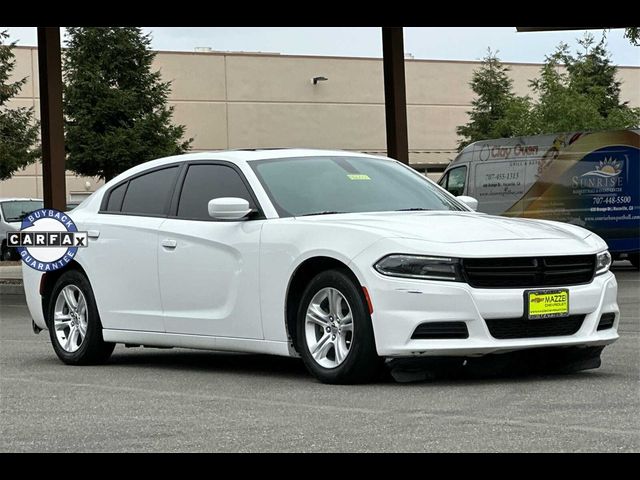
{"x": 206, "y": 182}
{"x": 443, "y": 181}
{"x": 114, "y": 203}
{"x": 149, "y": 194}
{"x": 457, "y": 178}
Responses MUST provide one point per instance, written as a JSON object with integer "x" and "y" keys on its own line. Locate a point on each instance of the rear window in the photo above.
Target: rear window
{"x": 115, "y": 198}
{"x": 149, "y": 194}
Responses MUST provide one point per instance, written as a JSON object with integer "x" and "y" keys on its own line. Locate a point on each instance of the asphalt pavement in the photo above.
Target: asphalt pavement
{"x": 152, "y": 400}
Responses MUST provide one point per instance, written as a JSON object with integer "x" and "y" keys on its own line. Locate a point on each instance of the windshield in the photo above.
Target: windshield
{"x": 15, "y": 211}
{"x": 316, "y": 185}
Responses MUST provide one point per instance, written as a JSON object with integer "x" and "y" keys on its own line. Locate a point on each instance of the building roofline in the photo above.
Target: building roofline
{"x": 329, "y": 57}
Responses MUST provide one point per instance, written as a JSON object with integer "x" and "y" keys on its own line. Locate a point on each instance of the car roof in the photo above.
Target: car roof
{"x": 251, "y": 154}
{"x": 243, "y": 155}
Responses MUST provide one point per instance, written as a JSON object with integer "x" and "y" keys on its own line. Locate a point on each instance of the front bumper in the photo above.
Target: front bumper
{"x": 400, "y": 305}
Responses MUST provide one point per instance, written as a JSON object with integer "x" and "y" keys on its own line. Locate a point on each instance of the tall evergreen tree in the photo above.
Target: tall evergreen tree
{"x": 18, "y": 129}
{"x": 591, "y": 72}
{"x": 116, "y": 112}
{"x": 493, "y": 101}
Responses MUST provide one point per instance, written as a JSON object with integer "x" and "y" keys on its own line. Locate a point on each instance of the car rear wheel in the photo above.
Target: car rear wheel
{"x": 634, "y": 258}
{"x": 335, "y": 334}
{"x": 74, "y": 324}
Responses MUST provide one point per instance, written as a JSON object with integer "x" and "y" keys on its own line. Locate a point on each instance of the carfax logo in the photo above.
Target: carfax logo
{"x": 48, "y": 239}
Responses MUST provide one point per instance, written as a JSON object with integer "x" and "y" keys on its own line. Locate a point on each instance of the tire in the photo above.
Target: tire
{"x": 88, "y": 346}
{"x": 634, "y": 258}
{"x": 7, "y": 254}
{"x": 347, "y": 355}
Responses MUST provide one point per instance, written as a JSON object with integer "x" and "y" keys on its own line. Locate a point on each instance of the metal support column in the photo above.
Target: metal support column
{"x": 395, "y": 97}
{"x": 49, "y": 67}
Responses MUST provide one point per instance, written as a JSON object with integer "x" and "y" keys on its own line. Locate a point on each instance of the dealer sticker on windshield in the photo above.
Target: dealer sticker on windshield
{"x": 546, "y": 303}
{"x": 360, "y": 176}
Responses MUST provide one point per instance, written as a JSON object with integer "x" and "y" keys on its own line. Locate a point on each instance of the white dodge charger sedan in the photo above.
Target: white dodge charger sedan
{"x": 341, "y": 258}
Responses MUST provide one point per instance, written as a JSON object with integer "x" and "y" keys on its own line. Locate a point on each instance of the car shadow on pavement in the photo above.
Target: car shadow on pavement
{"x": 181, "y": 359}
{"x": 292, "y": 368}
{"x": 470, "y": 378}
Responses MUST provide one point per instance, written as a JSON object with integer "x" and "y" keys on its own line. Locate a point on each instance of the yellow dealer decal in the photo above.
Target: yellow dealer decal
{"x": 358, "y": 177}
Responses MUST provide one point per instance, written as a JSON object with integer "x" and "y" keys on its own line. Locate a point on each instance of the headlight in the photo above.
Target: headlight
{"x": 416, "y": 266}
{"x": 603, "y": 262}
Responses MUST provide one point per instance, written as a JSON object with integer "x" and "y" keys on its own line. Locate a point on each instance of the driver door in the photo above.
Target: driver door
{"x": 208, "y": 269}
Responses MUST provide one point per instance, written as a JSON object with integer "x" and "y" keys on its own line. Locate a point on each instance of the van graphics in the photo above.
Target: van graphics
{"x": 591, "y": 179}
{"x": 595, "y": 183}
{"x": 607, "y": 168}
{"x": 492, "y": 152}
{"x": 604, "y": 176}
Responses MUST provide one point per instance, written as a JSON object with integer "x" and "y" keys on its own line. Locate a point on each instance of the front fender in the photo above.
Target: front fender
{"x": 285, "y": 245}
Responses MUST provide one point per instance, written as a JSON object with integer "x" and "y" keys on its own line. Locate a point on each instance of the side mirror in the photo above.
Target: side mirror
{"x": 228, "y": 208}
{"x": 470, "y": 202}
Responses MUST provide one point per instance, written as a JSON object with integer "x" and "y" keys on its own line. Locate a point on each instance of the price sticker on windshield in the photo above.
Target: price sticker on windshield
{"x": 359, "y": 176}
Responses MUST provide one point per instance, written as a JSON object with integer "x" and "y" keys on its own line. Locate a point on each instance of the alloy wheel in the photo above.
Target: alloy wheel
{"x": 70, "y": 318}
{"x": 329, "y": 327}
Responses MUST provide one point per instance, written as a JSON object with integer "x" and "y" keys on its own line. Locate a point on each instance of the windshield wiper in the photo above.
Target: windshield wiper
{"x": 325, "y": 212}
{"x": 414, "y": 209}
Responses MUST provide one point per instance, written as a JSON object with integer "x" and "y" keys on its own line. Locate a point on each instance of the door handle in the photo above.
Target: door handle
{"x": 93, "y": 233}
{"x": 167, "y": 243}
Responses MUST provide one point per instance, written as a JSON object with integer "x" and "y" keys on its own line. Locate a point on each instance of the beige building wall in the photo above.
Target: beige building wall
{"x": 237, "y": 100}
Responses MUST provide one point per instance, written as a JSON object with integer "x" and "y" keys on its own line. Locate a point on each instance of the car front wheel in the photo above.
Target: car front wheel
{"x": 335, "y": 334}
{"x": 74, "y": 324}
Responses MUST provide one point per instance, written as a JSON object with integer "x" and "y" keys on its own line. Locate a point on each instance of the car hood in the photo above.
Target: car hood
{"x": 452, "y": 227}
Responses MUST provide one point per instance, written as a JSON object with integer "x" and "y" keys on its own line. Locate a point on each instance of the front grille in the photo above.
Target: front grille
{"x": 504, "y": 328}
{"x": 525, "y": 272}
{"x": 606, "y": 321}
{"x": 439, "y": 330}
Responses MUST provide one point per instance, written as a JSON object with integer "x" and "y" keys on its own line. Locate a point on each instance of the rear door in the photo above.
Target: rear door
{"x": 208, "y": 268}
{"x": 124, "y": 261}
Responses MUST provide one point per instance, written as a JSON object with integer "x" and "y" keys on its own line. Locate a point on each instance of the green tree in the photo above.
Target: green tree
{"x": 580, "y": 92}
{"x": 591, "y": 72}
{"x": 633, "y": 34}
{"x": 18, "y": 129}
{"x": 494, "y": 103}
{"x": 116, "y": 112}
{"x": 573, "y": 92}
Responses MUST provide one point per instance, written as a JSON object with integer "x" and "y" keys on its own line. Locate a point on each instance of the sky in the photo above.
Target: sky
{"x": 441, "y": 43}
